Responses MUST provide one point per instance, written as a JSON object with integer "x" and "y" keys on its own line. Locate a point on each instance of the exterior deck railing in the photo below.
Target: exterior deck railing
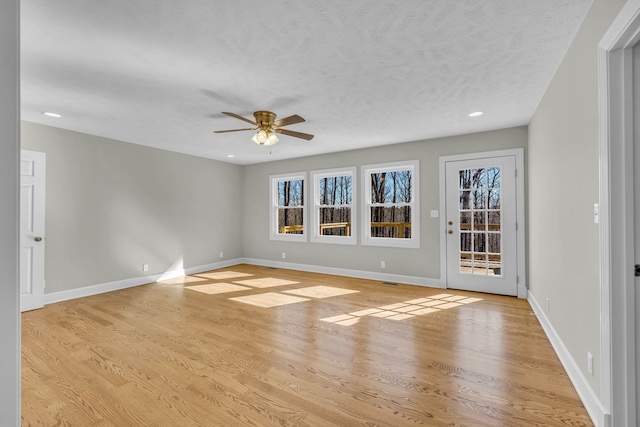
{"x": 399, "y": 226}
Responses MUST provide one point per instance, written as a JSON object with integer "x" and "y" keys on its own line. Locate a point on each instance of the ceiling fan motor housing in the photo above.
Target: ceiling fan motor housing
{"x": 264, "y": 118}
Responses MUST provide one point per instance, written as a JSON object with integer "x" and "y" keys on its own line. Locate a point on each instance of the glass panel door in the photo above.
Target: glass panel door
{"x": 480, "y": 220}
{"x": 480, "y": 228}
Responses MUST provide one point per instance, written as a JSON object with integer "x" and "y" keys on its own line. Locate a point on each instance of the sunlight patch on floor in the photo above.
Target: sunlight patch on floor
{"x": 267, "y": 282}
{"x": 268, "y": 300}
{"x": 320, "y": 291}
{"x": 404, "y": 310}
{"x": 223, "y": 275}
{"x": 217, "y": 288}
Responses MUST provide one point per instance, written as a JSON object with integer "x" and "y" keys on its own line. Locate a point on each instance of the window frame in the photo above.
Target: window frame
{"x": 315, "y": 235}
{"x": 367, "y": 239}
{"x": 274, "y": 180}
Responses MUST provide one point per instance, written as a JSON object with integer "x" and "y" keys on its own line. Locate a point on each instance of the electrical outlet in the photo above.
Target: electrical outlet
{"x": 548, "y": 305}
{"x": 221, "y": 254}
{"x": 382, "y": 265}
{"x": 284, "y": 255}
{"x": 145, "y": 267}
{"x": 590, "y": 362}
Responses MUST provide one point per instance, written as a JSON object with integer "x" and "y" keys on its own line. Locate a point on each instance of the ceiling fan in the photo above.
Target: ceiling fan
{"x": 267, "y": 126}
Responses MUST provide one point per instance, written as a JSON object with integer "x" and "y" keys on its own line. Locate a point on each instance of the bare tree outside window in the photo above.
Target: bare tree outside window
{"x": 336, "y": 194}
{"x": 391, "y": 200}
{"x": 290, "y": 206}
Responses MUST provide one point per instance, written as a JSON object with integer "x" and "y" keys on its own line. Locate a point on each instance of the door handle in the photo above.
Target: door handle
{"x": 37, "y": 239}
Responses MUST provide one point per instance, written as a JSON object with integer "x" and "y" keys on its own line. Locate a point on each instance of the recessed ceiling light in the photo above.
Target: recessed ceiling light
{"x": 49, "y": 114}
{"x": 231, "y": 156}
{"x": 476, "y": 114}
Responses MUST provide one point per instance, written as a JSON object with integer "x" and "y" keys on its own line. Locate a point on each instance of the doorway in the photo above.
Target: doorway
{"x": 481, "y": 241}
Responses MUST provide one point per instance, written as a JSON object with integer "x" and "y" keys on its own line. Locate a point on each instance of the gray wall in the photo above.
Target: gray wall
{"x": 563, "y": 186}
{"x": 423, "y": 262}
{"x": 112, "y": 207}
{"x": 9, "y": 288}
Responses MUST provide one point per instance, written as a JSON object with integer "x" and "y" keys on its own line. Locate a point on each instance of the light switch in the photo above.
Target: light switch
{"x": 435, "y": 214}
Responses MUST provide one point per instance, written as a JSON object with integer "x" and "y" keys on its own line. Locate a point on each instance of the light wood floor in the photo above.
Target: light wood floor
{"x": 165, "y": 355}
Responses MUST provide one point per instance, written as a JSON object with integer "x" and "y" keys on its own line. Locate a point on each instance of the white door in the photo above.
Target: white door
{"x": 32, "y": 181}
{"x": 481, "y": 225}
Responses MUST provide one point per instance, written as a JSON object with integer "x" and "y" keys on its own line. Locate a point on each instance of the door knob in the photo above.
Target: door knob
{"x": 450, "y": 232}
{"x": 37, "y": 239}
{"x": 450, "y": 222}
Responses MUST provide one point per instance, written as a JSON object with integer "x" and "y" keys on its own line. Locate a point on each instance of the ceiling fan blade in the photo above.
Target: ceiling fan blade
{"x": 289, "y": 120}
{"x": 232, "y": 130}
{"x": 240, "y": 118}
{"x": 306, "y": 136}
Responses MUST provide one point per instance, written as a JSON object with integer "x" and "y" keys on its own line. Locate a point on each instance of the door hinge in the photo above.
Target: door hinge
{"x": 637, "y": 270}
{"x": 517, "y": 280}
{"x": 516, "y": 173}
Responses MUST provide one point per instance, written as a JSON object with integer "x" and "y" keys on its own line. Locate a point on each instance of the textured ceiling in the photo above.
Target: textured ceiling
{"x": 362, "y": 73}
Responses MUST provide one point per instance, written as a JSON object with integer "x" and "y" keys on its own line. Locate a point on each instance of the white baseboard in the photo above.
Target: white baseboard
{"x": 143, "y": 280}
{"x": 130, "y": 283}
{"x": 359, "y": 274}
{"x": 591, "y": 402}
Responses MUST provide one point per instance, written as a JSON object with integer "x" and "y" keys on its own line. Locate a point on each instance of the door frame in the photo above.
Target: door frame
{"x": 617, "y": 288}
{"x": 518, "y": 153}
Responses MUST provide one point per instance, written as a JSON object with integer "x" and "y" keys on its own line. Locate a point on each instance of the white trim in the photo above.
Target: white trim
{"x": 617, "y": 307}
{"x": 358, "y": 274}
{"x": 273, "y": 206}
{"x": 365, "y": 215}
{"x": 590, "y": 400}
{"x": 521, "y": 264}
{"x": 314, "y": 234}
{"x": 102, "y": 288}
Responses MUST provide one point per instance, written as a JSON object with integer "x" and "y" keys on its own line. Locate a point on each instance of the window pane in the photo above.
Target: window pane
{"x": 494, "y": 243}
{"x": 465, "y": 179}
{"x": 466, "y": 264}
{"x": 494, "y": 198}
{"x": 495, "y": 264}
{"x": 479, "y": 221}
{"x": 479, "y": 242}
{"x": 465, "y": 200}
{"x": 392, "y": 222}
{"x": 465, "y": 220}
{"x": 493, "y": 177}
{"x": 291, "y": 193}
{"x": 479, "y": 199}
{"x": 465, "y": 242}
{"x": 391, "y": 187}
{"x": 290, "y": 221}
{"x": 480, "y": 264}
{"x": 479, "y": 178}
{"x": 494, "y": 220}
{"x": 335, "y": 190}
{"x": 335, "y": 221}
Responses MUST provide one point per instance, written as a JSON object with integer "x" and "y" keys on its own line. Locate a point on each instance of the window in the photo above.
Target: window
{"x": 334, "y": 212}
{"x": 391, "y": 207}
{"x": 288, "y": 207}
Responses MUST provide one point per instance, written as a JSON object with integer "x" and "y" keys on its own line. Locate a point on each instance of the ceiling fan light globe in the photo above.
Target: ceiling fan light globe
{"x": 254, "y": 138}
{"x": 272, "y": 139}
{"x": 262, "y": 136}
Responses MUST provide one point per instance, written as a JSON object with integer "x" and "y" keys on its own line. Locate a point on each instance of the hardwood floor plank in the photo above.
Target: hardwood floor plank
{"x": 164, "y": 355}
